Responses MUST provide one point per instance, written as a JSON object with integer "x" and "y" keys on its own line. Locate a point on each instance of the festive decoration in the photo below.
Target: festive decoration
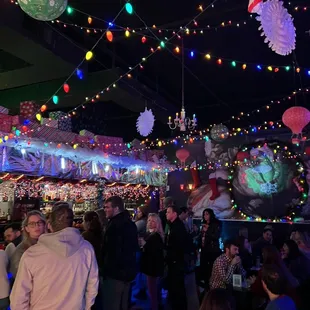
{"x": 89, "y": 55}
{"x": 43, "y": 10}
{"x": 255, "y": 6}
{"x": 145, "y": 122}
{"x": 219, "y": 132}
{"x": 55, "y": 99}
{"x": 296, "y": 118}
{"x": 277, "y": 26}
{"x": 265, "y": 189}
{"x": 109, "y": 36}
{"x": 66, "y": 88}
{"x": 129, "y": 193}
{"x": 182, "y": 155}
{"x": 129, "y": 8}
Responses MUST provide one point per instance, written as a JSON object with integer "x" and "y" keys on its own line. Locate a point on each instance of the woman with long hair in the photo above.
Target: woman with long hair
{"x": 93, "y": 234}
{"x": 33, "y": 226}
{"x": 271, "y": 256}
{"x": 152, "y": 260}
{"x": 218, "y": 299}
{"x": 295, "y": 261}
{"x": 303, "y": 241}
{"x": 209, "y": 243}
{"x": 141, "y": 220}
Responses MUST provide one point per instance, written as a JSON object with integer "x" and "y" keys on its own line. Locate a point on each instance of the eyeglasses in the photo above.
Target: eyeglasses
{"x": 34, "y": 224}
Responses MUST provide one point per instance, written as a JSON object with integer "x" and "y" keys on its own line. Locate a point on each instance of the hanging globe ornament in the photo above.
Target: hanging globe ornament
{"x": 219, "y": 132}
{"x": 43, "y": 10}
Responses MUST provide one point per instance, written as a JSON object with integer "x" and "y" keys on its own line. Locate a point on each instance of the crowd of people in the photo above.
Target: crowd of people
{"x": 48, "y": 264}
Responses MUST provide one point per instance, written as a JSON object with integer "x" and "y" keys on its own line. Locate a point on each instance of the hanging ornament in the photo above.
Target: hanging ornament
{"x": 182, "y": 155}
{"x": 219, "y": 132}
{"x": 89, "y": 55}
{"x": 255, "y": 6}
{"x": 145, "y": 122}
{"x": 296, "y": 118}
{"x": 109, "y": 36}
{"x": 277, "y": 26}
{"x": 55, "y": 99}
{"x": 43, "y": 10}
{"x": 39, "y": 117}
{"x": 129, "y": 8}
{"x": 66, "y": 88}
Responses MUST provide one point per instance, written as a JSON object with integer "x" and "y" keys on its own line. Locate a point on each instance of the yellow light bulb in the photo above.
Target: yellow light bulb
{"x": 89, "y": 55}
{"x": 208, "y": 56}
{"x": 127, "y": 33}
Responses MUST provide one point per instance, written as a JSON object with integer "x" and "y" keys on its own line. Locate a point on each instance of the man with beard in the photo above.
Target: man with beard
{"x": 226, "y": 265}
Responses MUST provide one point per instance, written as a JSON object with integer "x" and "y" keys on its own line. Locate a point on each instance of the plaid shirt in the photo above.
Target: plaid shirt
{"x": 222, "y": 272}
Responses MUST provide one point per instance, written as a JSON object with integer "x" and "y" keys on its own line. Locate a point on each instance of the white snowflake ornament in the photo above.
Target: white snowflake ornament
{"x": 145, "y": 122}
{"x": 277, "y": 26}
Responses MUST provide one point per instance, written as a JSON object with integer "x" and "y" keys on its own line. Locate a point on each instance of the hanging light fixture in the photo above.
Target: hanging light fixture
{"x": 183, "y": 122}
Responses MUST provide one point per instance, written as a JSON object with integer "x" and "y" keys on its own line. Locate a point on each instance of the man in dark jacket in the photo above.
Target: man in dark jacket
{"x": 168, "y": 201}
{"x": 120, "y": 244}
{"x": 178, "y": 249}
{"x": 260, "y": 243}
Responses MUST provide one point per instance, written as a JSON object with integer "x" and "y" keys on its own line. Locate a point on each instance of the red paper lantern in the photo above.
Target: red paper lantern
{"x": 66, "y": 88}
{"x": 109, "y": 36}
{"x": 182, "y": 155}
{"x": 242, "y": 155}
{"x": 296, "y": 118}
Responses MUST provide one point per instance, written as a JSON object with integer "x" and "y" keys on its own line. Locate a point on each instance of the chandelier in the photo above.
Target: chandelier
{"x": 183, "y": 122}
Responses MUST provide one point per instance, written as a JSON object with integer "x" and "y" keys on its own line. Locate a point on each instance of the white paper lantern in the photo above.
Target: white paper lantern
{"x": 277, "y": 26}
{"x": 145, "y": 122}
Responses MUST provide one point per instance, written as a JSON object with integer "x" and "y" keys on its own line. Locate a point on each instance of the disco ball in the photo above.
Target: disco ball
{"x": 43, "y": 10}
{"x": 219, "y": 132}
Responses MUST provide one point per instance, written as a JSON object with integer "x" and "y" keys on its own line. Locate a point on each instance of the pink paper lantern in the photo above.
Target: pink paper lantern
{"x": 296, "y": 118}
{"x": 182, "y": 155}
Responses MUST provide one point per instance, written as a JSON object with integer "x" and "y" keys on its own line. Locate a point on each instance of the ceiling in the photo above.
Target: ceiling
{"x": 214, "y": 92}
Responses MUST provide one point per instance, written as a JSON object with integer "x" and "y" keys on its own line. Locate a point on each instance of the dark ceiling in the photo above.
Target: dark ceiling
{"x": 214, "y": 92}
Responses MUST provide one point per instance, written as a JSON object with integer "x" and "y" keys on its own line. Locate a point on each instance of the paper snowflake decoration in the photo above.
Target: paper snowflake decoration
{"x": 145, "y": 122}
{"x": 277, "y": 26}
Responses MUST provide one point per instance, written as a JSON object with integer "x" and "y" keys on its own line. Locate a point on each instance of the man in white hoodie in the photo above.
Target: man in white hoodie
{"x": 60, "y": 271}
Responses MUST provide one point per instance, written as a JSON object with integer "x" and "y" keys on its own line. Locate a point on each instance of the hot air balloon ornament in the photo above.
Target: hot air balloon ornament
{"x": 296, "y": 118}
{"x": 182, "y": 155}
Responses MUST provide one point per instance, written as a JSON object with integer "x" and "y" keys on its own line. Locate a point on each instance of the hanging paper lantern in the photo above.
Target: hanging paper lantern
{"x": 277, "y": 26}
{"x": 145, "y": 122}
{"x": 109, "y": 36}
{"x": 143, "y": 40}
{"x": 182, "y": 155}
{"x": 43, "y": 10}
{"x": 219, "y": 132}
{"x": 296, "y": 118}
{"x": 66, "y": 88}
{"x": 43, "y": 108}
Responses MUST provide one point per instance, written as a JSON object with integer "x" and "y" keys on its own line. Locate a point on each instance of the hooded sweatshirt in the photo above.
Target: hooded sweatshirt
{"x": 59, "y": 272}
{"x": 4, "y": 282}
